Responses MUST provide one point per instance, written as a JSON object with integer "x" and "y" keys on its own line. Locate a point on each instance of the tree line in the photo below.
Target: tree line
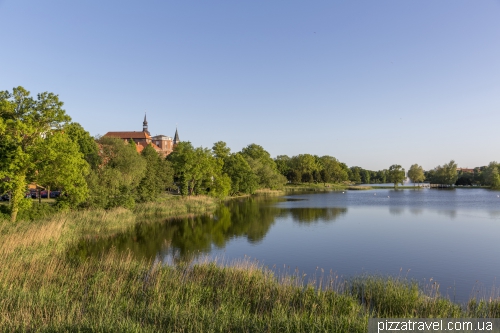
{"x": 307, "y": 168}
{"x": 39, "y": 144}
{"x": 480, "y": 176}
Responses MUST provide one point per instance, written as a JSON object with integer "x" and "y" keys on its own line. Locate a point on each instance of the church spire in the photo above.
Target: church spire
{"x": 176, "y": 137}
{"x": 145, "y": 125}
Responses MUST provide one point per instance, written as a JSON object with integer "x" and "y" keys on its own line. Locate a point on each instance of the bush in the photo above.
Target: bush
{"x": 36, "y": 211}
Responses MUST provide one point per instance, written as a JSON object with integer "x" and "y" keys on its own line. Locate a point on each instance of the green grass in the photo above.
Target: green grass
{"x": 316, "y": 187}
{"x": 269, "y": 193}
{"x": 42, "y": 289}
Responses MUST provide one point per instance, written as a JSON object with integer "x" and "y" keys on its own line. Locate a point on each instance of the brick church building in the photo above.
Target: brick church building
{"x": 163, "y": 144}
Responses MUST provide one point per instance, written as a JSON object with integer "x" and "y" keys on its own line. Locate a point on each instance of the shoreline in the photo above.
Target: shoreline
{"x": 42, "y": 288}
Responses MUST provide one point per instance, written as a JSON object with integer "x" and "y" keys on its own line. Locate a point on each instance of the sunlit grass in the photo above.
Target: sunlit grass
{"x": 268, "y": 192}
{"x": 317, "y": 187}
{"x": 43, "y": 289}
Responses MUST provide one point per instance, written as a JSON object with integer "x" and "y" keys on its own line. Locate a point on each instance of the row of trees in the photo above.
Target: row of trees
{"x": 448, "y": 174}
{"x": 306, "y": 168}
{"x": 218, "y": 172}
{"x": 487, "y": 175}
{"x": 34, "y": 147}
{"x": 39, "y": 144}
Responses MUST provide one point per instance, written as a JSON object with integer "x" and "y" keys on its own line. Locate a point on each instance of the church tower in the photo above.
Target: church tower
{"x": 145, "y": 125}
{"x": 176, "y": 137}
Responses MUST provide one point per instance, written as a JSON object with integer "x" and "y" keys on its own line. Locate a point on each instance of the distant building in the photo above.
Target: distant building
{"x": 465, "y": 170}
{"x": 163, "y": 144}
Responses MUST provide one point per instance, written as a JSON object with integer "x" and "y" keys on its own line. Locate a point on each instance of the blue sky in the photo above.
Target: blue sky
{"x": 372, "y": 83}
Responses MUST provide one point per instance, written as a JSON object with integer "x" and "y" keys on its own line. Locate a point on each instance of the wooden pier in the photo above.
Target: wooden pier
{"x": 440, "y": 186}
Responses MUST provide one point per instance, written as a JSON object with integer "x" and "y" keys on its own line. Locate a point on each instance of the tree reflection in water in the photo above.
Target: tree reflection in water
{"x": 315, "y": 215}
{"x": 187, "y": 238}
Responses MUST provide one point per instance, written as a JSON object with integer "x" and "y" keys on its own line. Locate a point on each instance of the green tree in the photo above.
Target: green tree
{"x": 430, "y": 176}
{"x": 490, "y": 173}
{"x": 332, "y": 170}
{"x": 465, "y": 178}
{"x": 382, "y": 176}
{"x": 197, "y": 171}
{"x": 268, "y": 177}
{"x": 60, "y": 165}
{"x": 221, "y": 185}
{"x": 365, "y": 176}
{"x": 257, "y": 152}
{"x": 186, "y": 172}
{"x": 221, "y": 150}
{"x": 283, "y": 164}
{"x": 355, "y": 175}
{"x": 263, "y": 167}
{"x": 305, "y": 165}
{"x": 243, "y": 180}
{"x": 26, "y": 122}
{"x": 86, "y": 143}
{"x": 416, "y": 173}
{"x": 396, "y": 175}
{"x": 115, "y": 182}
{"x": 446, "y": 174}
{"x": 479, "y": 175}
{"x": 325, "y": 176}
{"x": 158, "y": 175}
{"x": 293, "y": 176}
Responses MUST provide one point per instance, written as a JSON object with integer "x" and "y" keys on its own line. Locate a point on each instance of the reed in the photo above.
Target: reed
{"x": 314, "y": 187}
{"x": 268, "y": 192}
{"x": 42, "y": 289}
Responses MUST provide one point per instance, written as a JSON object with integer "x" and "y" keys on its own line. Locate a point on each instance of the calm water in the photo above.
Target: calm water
{"x": 446, "y": 236}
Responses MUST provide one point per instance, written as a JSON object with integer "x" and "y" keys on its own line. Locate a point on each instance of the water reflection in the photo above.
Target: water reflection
{"x": 396, "y": 210}
{"x": 494, "y": 214}
{"x": 416, "y": 211}
{"x": 299, "y": 231}
{"x": 450, "y": 213}
{"x": 314, "y": 215}
{"x": 189, "y": 237}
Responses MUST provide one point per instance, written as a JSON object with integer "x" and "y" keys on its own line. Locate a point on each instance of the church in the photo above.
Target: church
{"x": 163, "y": 144}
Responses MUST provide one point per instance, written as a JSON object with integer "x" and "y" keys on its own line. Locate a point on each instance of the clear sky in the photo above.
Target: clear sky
{"x": 372, "y": 83}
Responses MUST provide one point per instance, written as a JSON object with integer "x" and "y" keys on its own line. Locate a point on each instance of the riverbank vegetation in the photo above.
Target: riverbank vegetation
{"x": 45, "y": 288}
{"x": 42, "y": 147}
{"x": 106, "y": 188}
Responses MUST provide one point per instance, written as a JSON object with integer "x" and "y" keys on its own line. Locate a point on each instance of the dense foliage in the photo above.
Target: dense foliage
{"x": 40, "y": 145}
{"x": 34, "y": 148}
{"x": 306, "y": 168}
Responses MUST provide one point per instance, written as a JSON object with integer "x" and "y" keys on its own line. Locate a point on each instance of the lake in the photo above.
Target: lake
{"x": 450, "y": 237}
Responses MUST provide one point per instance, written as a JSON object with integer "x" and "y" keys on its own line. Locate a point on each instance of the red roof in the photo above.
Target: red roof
{"x": 141, "y": 145}
{"x": 129, "y": 135}
{"x": 465, "y": 170}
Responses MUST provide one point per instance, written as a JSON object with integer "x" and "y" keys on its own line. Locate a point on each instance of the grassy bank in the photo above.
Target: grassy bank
{"x": 42, "y": 289}
{"x": 118, "y": 293}
{"x": 61, "y": 230}
{"x": 312, "y": 187}
{"x": 388, "y": 187}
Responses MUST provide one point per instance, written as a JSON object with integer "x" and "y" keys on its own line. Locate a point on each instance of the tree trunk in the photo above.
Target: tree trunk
{"x": 18, "y": 189}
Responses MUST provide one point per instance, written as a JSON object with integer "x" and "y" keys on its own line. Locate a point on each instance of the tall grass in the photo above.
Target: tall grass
{"x": 269, "y": 193}
{"x": 58, "y": 232}
{"x": 119, "y": 293}
{"x": 42, "y": 290}
{"x": 314, "y": 187}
